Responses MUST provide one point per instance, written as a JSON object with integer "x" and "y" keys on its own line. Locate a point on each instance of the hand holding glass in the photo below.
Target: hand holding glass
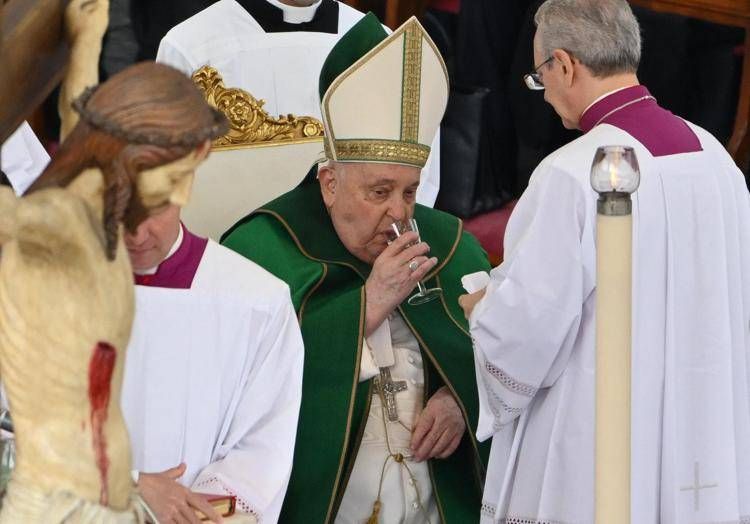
{"x": 423, "y": 295}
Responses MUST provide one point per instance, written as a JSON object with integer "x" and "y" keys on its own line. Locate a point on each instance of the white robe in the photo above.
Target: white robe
{"x": 281, "y": 68}
{"x": 23, "y": 158}
{"x": 213, "y": 378}
{"x": 534, "y": 336}
{"x": 406, "y": 495}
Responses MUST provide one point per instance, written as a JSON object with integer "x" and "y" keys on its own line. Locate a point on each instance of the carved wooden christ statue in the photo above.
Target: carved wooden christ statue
{"x": 66, "y": 290}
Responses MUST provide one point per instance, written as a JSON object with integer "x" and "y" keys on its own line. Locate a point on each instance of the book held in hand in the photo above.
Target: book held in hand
{"x": 223, "y": 504}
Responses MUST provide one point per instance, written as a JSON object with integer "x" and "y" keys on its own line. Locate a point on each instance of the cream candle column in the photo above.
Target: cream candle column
{"x": 614, "y": 176}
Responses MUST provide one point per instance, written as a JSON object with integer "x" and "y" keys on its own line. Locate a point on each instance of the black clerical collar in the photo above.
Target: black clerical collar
{"x": 271, "y": 18}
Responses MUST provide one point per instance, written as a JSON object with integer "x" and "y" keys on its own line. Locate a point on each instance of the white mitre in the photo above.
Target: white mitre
{"x": 383, "y": 96}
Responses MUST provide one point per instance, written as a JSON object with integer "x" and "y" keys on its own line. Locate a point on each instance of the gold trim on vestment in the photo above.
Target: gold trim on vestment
{"x": 352, "y": 398}
{"x": 447, "y": 310}
{"x": 411, "y": 83}
{"x": 326, "y": 110}
{"x": 430, "y": 469}
{"x": 355, "y": 380}
{"x": 480, "y": 473}
{"x": 310, "y": 293}
{"x": 249, "y": 123}
{"x": 388, "y": 151}
{"x": 299, "y": 244}
{"x": 440, "y": 265}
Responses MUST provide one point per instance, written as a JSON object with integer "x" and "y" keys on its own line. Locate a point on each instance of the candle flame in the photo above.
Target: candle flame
{"x": 614, "y": 180}
{"x": 614, "y": 162}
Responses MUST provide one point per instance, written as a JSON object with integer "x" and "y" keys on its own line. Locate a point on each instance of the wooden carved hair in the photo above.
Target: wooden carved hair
{"x": 143, "y": 117}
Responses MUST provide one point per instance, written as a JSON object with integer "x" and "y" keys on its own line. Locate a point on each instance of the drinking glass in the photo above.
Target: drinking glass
{"x": 423, "y": 294}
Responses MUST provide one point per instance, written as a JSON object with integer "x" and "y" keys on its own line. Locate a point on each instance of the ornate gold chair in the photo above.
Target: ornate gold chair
{"x": 258, "y": 159}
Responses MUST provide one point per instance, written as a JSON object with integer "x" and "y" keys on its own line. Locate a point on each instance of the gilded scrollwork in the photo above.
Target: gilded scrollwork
{"x": 249, "y": 123}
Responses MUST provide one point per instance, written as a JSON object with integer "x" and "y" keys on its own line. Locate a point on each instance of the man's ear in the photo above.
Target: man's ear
{"x": 327, "y": 177}
{"x": 567, "y": 63}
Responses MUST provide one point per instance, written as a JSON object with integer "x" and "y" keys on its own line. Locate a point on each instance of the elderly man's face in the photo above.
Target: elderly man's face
{"x": 556, "y": 87}
{"x": 364, "y": 200}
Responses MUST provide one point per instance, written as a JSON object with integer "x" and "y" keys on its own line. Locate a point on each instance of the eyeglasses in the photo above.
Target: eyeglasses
{"x": 533, "y": 80}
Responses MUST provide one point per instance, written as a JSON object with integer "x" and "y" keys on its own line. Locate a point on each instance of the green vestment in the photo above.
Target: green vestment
{"x": 293, "y": 238}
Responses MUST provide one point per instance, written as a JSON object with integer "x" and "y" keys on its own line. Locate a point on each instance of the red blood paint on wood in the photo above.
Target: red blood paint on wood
{"x": 101, "y": 367}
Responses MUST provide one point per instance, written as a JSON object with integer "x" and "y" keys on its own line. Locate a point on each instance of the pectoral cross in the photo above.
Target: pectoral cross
{"x": 387, "y": 389}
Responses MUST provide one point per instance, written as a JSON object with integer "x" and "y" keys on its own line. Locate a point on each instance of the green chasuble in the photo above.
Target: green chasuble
{"x": 293, "y": 238}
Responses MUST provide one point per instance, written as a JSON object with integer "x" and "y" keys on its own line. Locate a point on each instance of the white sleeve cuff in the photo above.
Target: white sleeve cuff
{"x": 367, "y": 367}
{"x": 377, "y": 352}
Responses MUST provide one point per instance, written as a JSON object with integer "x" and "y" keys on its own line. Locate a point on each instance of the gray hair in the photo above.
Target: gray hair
{"x": 603, "y": 34}
{"x": 333, "y": 165}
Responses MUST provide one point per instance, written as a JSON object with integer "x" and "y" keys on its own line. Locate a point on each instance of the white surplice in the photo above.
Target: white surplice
{"x": 406, "y": 494}
{"x": 280, "y": 68}
{"x": 213, "y": 378}
{"x": 534, "y": 336}
{"x": 23, "y": 158}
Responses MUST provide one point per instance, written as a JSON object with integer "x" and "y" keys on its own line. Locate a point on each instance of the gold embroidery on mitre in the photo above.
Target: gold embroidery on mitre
{"x": 327, "y": 148}
{"x": 249, "y": 123}
{"x": 412, "y": 81}
{"x": 388, "y": 151}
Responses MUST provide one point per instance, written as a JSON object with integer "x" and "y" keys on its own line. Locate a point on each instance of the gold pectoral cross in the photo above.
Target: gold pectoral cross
{"x": 387, "y": 389}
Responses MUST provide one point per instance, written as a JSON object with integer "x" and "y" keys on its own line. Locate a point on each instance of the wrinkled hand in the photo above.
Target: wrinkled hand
{"x": 171, "y": 501}
{"x": 469, "y": 302}
{"x": 86, "y": 19}
{"x": 439, "y": 428}
{"x": 391, "y": 280}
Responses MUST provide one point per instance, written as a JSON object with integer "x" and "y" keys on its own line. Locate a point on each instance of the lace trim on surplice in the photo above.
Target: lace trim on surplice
{"x": 529, "y": 520}
{"x": 242, "y": 505}
{"x": 495, "y": 400}
{"x": 510, "y": 383}
{"x": 488, "y": 510}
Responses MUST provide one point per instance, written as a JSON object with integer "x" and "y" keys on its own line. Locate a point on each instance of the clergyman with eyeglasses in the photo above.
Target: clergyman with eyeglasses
{"x": 534, "y": 325}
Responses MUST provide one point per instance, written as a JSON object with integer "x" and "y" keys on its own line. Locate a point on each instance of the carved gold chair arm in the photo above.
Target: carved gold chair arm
{"x": 249, "y": 123}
